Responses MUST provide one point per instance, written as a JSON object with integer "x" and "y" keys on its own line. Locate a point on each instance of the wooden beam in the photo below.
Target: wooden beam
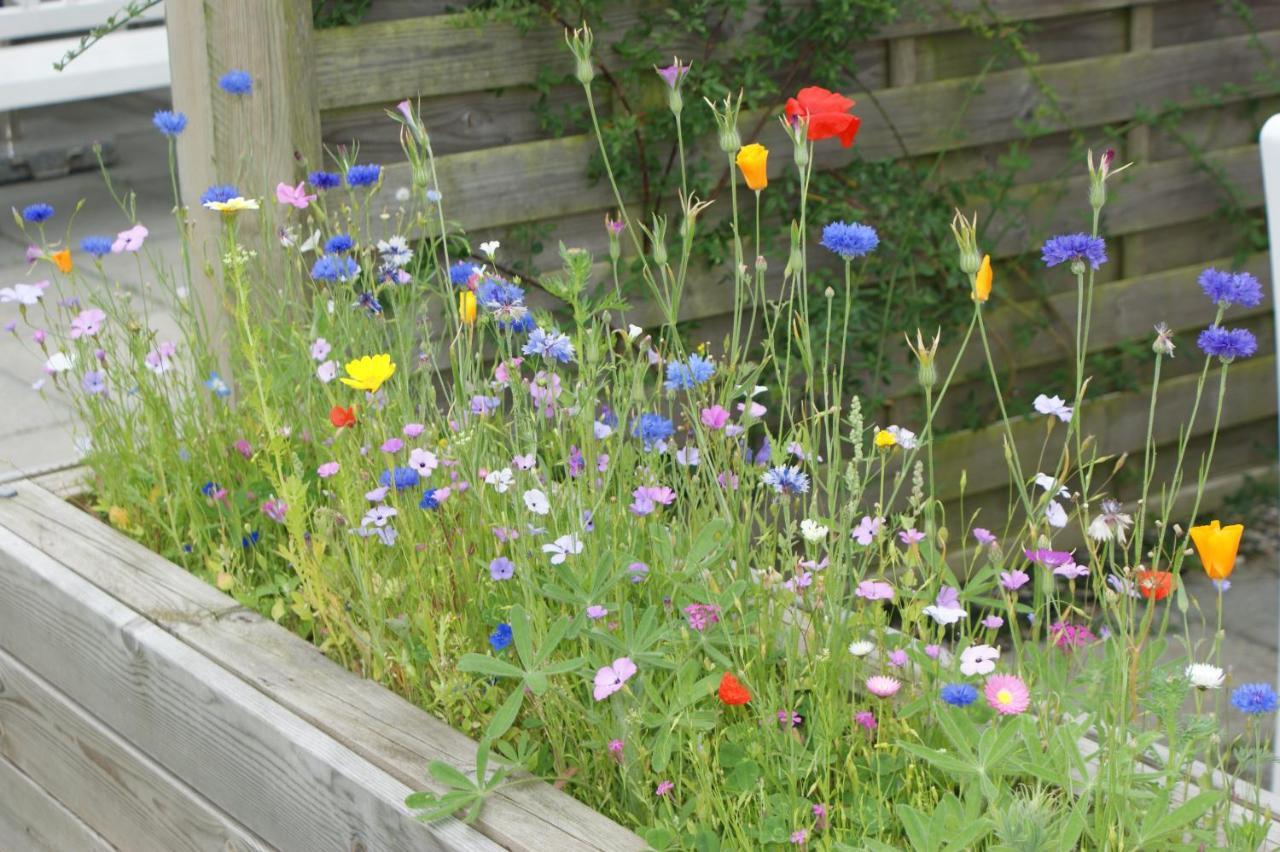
{"x": 31, "y": 819}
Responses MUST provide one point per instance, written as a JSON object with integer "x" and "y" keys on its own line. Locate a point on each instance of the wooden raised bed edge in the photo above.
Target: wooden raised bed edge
{"x": 152, "y": 711}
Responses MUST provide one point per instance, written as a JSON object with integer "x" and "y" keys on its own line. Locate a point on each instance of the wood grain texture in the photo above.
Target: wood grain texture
{"x": 380, "y": 727}
{"x": 128, "y": 799}
{"x": 32, "y": 820}
{"x": 284, "y": 780}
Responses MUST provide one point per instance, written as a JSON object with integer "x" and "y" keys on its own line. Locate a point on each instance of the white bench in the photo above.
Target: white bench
{"x": 1269, "y": 145}
{"x": 124, "y": 61}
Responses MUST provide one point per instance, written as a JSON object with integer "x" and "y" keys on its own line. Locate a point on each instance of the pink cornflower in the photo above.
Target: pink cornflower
{"x": 882, "y": 686}
{"x": 875, "y": 590}
{"x": 664, "y": 788}
{"x": 392, "y": 445}
{"x": 615, "y": 749}
{"x": 701, "y": 616}
{"x": 714, "y": 417}
{"x": 244, "y": 448}
{"x": 799, "y": 837}
{"x": 1007, "y": 694}
{"x": 1068, "y": 636}
{"x": 275, "y": 510}
{"x": 327, "y": 469}
{"x": 866, "y": 719}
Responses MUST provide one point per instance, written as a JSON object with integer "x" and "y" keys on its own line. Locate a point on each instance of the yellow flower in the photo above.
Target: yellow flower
{"x": 368, "y": 373}
{"x": 885, "y": 439}
{"x": 62, "y": 259}
{"x": 982, "y": 281}
{"x": 467, "y": 306}
{"x": 1217, "y": 546}
{"x": 752, "y": 161}
{"x": 118, "y": 517}
{"x": 232, "y": 206}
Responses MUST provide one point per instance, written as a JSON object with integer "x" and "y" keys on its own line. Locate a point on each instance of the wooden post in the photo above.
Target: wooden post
{"x": 251, "y": 141}
{"x": 1138, "y": 140}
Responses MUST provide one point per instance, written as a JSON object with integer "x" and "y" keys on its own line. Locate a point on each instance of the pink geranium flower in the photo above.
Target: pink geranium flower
{"x": 714, "y": 417}
{"x": 130, "y": 240}
{"x": 647, "y": 498}
{"x": 327, "y": 469}
{"x": 609, "y": 679}
{"x": 295, "y": 195}
{"x": 875, "y": 590}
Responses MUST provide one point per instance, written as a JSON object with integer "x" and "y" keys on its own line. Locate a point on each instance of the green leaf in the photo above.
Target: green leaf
{"x": 449, "y": 776}
{"x": 1160, "y": 824}
{"x": 504, "y": 718}
{"x": 522, "y": 632}
{"x": 709, "y": 538}
{"x": 945, "y": 761}
{"x": 916, "y": 826}
{"x": 744, "y": 776}
{"x": 554, "y": 636}
{"x": 481, "y": 664}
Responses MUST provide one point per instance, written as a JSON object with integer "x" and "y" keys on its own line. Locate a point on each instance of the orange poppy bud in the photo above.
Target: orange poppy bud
{"x": 467, "y": 306}
{"x": 982, "y": 281}
{"x": 342, "y": 417}
{"x": 1217, "y": 546}
{"x": 62, "y": 259}
{"x": 753, "y": 161}
{"x": 732, "y": 692}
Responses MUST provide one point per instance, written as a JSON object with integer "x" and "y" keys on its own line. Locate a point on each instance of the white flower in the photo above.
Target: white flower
{"x": 311, "y": 244}
{"x": 59, "y": 362}
{"x": 1055, "y": 514}
{"x": 812, "y": 530}
{"x": 402, "y": 194}
{"x": 905, "y": 437}
{"x": 423, "y": 461}
{"x": 501, "y": 480}
{"x": 978, "y": 660}
{"x": 1204, "y": 676}
{"x": 535, "y": 501}
{"x": 490, "y": 248}
{"x": 944, "y": 615}
{"x": 1110, "y": 524}
{"x": 861, "y": 648}
{"x": 327, "y": 372}
{"x": 562, "y": 548}
{"x": 1054, "y": 406}
{"x": 23, "y": 294}
{"x": 633, "y": 331}
{"x": 601, "y": 430}
{"x": 1048, "y": 483}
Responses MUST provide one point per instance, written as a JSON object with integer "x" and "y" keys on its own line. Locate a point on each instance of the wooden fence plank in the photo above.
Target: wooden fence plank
{"x": 128, "y": 799}
{"x": 286, "y": 781}
{"x": 33, "y": 820}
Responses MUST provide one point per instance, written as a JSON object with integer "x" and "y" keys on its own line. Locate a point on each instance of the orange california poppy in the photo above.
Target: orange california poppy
{"x": 1154, "y": 585}
{"x": 1217, "y": 546}
{"x": 982, "y": 281}
{"x": 732, "y": 692}
{"x": 467, "y": 306}
{"x": 753, "y": 161}
{"x": 62, "y": 259}
{"x": 827, "y": 114}
{"x": 341, "y": 417}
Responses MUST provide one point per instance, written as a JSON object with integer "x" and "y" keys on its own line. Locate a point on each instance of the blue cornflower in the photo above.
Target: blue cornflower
{"x": 1074, "y": 247}
{"x": 217, "y": 385}
{"x": 339, "y": 244}
{"x": 552, "y": 345}
{"x": 1254, "y": 698}
{"x": 37, "y": 213}
{"x": 168, "y": 122}
{"x": 429, "y": 500}
{"x": 460, "y": 273}
{"x": 219, "y": 192}
{"x": 333, "y": 267}
{"x": 958, "y": 694}
{"x": 1227, "y": 343}
{"x": 96, "y": 246}
{"x": 401, "y": 477}
{"x": 652, "y": 428}
{"x": 209, "y": 488}
{"x": 786, "y": 480}
{"x": 849, "y": 240}
{"x": 1231, "y": 288}
{"x": 249, "y": 540}
{"x": 324, "y": 180}
{"x": 363, "y": 175}
{"x": 500, "y": 638}
{"x": 236, "y": 82}
{"x": 369, "y": 302}
{"x": 690, "y": 374}
{"x": 506, "y": 302}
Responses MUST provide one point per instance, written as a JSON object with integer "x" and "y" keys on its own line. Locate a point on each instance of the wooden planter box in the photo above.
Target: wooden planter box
{"x": 140, "y": 708}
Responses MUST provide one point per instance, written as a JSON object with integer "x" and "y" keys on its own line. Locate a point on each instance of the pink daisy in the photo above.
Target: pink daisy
{"x": 882, "y": 686}
{"x": 1007, "y": 694}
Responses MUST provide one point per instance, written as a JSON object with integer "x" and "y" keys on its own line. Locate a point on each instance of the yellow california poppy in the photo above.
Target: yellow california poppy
{"x": 753, "y": 160}
{"x": 982, "y": 281}
{"x": 1217, "y": 546}
{"x": 368, "y": 373}
{"x": 467, "y": 306}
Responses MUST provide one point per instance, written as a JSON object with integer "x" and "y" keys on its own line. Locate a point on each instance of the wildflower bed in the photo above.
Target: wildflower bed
{"x": 717, "y": 605}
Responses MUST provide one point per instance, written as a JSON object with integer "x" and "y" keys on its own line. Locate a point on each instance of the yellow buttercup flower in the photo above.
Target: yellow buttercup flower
{"x": 368, "y": 373}
{"x": 232, "y": 206}
{"x": 982, "y": 281}
{"x": 752, "y": 160}
{"x": 467, "y": 306}
{"x": 1217, "y": 546}
{"x": 885, "y": 439}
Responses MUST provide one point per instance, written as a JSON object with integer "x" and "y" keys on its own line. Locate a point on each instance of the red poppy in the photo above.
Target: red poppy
{"x": 1154, "y": 585}
{"x": 732, "y": 692}
{"x": 341, "y": 417}
{"x": 827, "y": 114}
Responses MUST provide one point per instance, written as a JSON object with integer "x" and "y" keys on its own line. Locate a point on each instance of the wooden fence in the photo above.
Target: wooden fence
{"x": 1107, "y": 61}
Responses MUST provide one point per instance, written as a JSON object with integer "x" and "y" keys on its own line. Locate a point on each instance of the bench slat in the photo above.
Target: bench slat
{"x": 128, "y": 61}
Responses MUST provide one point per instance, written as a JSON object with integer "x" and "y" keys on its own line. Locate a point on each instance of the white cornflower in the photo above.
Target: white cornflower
{"x": 812, "y": 530}
{"x": 1204, "y": 676}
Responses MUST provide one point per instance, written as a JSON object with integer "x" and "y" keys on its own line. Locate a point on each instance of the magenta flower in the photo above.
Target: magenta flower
{"x": 1049, "y": 558}
{"x": 88, "y": 323}
{"x": 274, "y": 509}
{"x": 327, "y": 469}
{"x": 866, "y": 719}
{"x": 701, "y": 616}
{"x": 714, "y": 417}
{"x": 244, "y": 448}
{"x": 294, "y": 195}
{"x": 799, "y": 837}
{"x": 673, "y": 73}
{"x": 1068, "y": 636}
{"x": 789, "y": 719}
{"x": 875, "y": 590}
{"x": 647, "y": 498}
{"x": 615, "y": 747}
{"x": 664, "y": 788}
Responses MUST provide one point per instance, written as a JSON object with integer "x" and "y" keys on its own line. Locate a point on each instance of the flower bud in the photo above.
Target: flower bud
{"x": 762, "y": 265}
{"x": 730, "y": 139}
{"x": 1163, "y": 344}
{"x": 966, "y": 234}
{"x": 675, "y": 101}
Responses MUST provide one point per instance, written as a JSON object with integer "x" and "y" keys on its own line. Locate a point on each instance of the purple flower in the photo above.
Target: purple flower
{"x": 502, "y": 568}
{"x": 911, "y": 536}
{"x": 673, "y": 74}
{"x": 1227, "y": 344}
{"x": 1013, "y": 580}
{"x": 993, "y": 622}
{"x": 647, "y": 498}
{"x": 701, "y": 616}
{"x": 392, "y": 445}
{"x": 1231, "y": 288}
{"x": 875, "y": 590}
{"x": 275, "y": 510}
{"x": 94, "y": 383}
{"x": 1075, "y": 248}
{"x": 983, "y": 536}
{"x": 867, "y": 529}
{"x": 637, "y": 571}
{"x": 1050, "y": 558}
{"x": 898, "y": 658}
{"x": 596, "y": 612}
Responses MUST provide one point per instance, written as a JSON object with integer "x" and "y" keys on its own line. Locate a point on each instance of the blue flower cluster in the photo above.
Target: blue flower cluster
{"x": 363, "y": 175}
{"x": 429, "y": 499}
{"x": 1231, "y": 288}
{"x": 501, "y": 638}
{"x": 1227, "y": 343}
{"x": 688, "y": 374}
{"x": 339, "y": 244}
{"x": 460, "y": 273}
{"x": 1066, "y": 248}
{"x": 236, "y": 82}
{"x": 333, "y": 267}
{"x": 96, "y": 246}
{"x": 324, "y": 180}
{"x": 958, "y": 694}
{"x": 1254, "y": 698}
{"x": 401, "y": 477}
{"x": 37, "y": 213}
{"x": 506, "y": 302}
{"x": 219, "y": 192}
{"x": 168, "y": 122}
{"x": 850, "y": 240}
{"x": 552, "y": 345}
{"x": 786, "y": 480}
{"x": 652, "y": 429}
